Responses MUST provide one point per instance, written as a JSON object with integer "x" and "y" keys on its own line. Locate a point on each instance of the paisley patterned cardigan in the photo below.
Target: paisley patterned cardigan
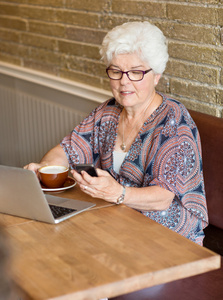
{"x": 166, "y": 153}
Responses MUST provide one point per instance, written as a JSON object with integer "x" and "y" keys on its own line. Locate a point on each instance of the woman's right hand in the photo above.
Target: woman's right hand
{"x": 55, "y": 156}
{"x": 34, "y": 167}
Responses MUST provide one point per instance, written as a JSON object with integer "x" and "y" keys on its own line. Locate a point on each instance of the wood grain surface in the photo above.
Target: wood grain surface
{"x": 102, "y": 252}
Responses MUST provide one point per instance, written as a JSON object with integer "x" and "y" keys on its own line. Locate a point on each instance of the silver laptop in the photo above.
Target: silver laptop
{"x": 21, "y": 195}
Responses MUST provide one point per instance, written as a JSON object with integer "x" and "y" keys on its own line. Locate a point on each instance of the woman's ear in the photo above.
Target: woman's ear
{"x": 157, "y": 78}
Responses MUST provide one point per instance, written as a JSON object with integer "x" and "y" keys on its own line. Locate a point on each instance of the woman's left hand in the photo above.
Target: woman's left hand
{"x": 104, "y": 186}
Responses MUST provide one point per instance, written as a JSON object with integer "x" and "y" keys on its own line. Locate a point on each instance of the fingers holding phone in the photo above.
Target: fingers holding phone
{"x": 96, "y": 182}
{"x": 89, "y": 168}
{"x": 84, "y": 178}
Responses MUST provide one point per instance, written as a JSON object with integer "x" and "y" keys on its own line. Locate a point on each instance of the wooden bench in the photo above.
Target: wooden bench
{"x": 211, "y": 132}
{"x": 206, "y": 286}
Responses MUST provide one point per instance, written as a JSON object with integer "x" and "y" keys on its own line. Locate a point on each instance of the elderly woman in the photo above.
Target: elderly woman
{"x": 145, "y": 146}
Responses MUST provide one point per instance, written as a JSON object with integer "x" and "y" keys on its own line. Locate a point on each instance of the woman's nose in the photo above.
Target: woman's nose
{"x": 124, "y": 80}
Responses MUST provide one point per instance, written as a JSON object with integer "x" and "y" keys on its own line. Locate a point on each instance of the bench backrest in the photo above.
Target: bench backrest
{"x": 211, "y": 133}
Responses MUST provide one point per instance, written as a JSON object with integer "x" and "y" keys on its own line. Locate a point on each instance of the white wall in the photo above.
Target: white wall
{"x": 37, "y": 111}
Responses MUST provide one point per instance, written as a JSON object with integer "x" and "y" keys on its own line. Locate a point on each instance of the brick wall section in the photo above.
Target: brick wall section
{"x": 62, "y": 37}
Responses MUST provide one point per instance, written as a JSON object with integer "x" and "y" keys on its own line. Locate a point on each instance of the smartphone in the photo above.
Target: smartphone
{"x": 89, "y": 168}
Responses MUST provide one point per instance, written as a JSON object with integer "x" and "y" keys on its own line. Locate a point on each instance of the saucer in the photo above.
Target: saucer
{"x": 69, "y": 183}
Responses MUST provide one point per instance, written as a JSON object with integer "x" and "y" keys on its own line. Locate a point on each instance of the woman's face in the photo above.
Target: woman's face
{"x": 132, "y": 94}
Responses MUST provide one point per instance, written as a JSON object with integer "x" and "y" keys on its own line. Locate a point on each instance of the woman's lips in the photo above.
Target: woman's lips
{"x": 126, "y": 93}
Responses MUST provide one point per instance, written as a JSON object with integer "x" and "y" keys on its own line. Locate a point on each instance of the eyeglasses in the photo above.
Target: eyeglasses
{"x": 134, "y": 75}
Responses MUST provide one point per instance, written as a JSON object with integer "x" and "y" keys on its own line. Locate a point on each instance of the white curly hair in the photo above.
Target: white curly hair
{"x": 142, "y": 38}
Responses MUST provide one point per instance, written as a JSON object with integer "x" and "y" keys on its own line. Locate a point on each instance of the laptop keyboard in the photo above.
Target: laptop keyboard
{"x": 59, "y": 211}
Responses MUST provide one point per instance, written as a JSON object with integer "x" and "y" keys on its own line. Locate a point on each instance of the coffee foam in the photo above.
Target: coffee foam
{"x": 53, "y": 169}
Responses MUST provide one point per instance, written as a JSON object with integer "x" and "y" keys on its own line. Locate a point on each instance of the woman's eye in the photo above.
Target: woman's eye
{"x": 116, "y": 72}
{"x": 136, "y": 72}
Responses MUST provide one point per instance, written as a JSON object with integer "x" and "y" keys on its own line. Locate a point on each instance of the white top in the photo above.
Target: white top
{"x": 118, "y": 158}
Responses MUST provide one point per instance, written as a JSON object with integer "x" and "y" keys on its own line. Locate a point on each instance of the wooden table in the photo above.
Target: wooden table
{"x": 103, "y": 252}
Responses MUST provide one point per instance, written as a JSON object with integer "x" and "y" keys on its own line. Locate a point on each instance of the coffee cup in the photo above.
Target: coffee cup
{"x": 53, "y": 176}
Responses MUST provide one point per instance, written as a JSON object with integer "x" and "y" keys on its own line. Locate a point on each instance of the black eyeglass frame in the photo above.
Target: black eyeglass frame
{"x": 127, "y": 73}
